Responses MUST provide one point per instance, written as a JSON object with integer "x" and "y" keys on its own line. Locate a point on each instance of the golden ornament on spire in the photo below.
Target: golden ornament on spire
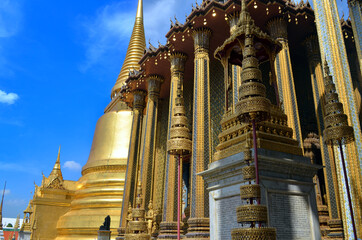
{"x": 253, "y": 103}
{"x": 135, "y": 51}
{"x": 180, "y": 137}
{"x": 56, "y": 169}
{"x": 336, "y": 124}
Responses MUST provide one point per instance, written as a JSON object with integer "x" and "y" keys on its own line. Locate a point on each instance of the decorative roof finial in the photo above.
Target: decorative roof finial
{"x": 56, "y": 169}
{"x": 336, "y": 124}
{"x": 140, "y": 9}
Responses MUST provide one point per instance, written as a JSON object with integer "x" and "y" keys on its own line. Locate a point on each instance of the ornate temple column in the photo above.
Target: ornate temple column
{"x": 234, "y": 70}
{"x": 147, "y": 153}
{"x": 333, "y": 51}
{"x": 315, "y": 66}
{"x": 160, "y": 157}
{"x": 201, "y": 149}
{"x": 355, "y": 13}
{"x": 285, "y": 80}
{"x": 168, "y": 226}
{"x": 133, "y": 155}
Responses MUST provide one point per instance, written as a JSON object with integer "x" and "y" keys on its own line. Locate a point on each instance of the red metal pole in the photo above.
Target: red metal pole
{"x": 256, "y": 157}
{"x": 255, "y": 152}
{"x": 178, "y": 198}
{"x": 348, "y": 192}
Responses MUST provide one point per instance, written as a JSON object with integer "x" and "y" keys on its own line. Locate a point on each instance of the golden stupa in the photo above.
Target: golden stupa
{"x": 100, "y": 189}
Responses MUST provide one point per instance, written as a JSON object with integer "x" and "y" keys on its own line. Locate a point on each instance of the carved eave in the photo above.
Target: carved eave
{"x": 134, "y": 81}
{"x": 154, "y": 62}
{"x": 269, "y": 45}
{"x": 197, "y": 15}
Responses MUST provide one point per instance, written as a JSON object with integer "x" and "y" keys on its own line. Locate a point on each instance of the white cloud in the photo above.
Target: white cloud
{"x": 106, "y": 32}
{"x": 7, "y": 191}
{"x": 110, "y": 30}
{"x": 8, "y": 98}
{"x": 71, "y": 165}
{"x": 157, "y": 16}
{"x": 10, "y": 18}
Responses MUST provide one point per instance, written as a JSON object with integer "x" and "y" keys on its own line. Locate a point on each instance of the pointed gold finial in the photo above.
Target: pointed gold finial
{"x": 140, "y": 9}
{"x": 56, "y": 169}
{"x": 135, "y": 51}
{"x": 57, "y": 163}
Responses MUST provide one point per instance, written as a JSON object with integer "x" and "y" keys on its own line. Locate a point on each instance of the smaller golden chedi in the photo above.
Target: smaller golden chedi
{"x": 137, "y": 225}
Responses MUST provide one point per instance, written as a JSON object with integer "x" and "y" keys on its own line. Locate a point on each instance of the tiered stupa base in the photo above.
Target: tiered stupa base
{"x": 168, "y": 230}
{"x": 199, "y": 228}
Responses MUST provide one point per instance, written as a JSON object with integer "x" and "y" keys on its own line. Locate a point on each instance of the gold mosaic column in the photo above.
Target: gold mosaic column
{"x": 199, "y": 226}
{"x": 133, "y": 155}
{"x": 330, "y": 174}
{"x": 160, "y": 159}
{"x": 149, "y": 139}
{"x": 168, "y": 226}
{"x": 285, "y": 80}
{"x": 233, "y": 20}
{"x": 333, "y": 51}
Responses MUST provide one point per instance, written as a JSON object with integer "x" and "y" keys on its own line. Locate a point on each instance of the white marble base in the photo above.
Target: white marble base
{"x": 287, "y": 189}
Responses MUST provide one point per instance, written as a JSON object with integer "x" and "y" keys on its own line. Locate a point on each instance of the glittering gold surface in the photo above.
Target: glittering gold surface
{"x": 135, "y": 51}
{"x": 100, "y": 189}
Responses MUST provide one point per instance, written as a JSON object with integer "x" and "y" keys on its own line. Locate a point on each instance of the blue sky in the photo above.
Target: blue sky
{"x": 58, "y": 63}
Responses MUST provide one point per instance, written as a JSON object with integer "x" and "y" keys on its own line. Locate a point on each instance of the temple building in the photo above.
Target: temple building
{"x": 246, "y": 124}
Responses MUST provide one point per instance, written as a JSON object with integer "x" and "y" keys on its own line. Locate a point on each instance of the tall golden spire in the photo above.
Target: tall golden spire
{"x": 56, "y": 169}
{"x": 135, "y": 51}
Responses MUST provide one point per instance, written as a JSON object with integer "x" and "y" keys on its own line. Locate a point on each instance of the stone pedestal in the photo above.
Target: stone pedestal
{"x": 287, "y": 189}
{"x": 24, "y": 235}
{"x": 104, "y": 235}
